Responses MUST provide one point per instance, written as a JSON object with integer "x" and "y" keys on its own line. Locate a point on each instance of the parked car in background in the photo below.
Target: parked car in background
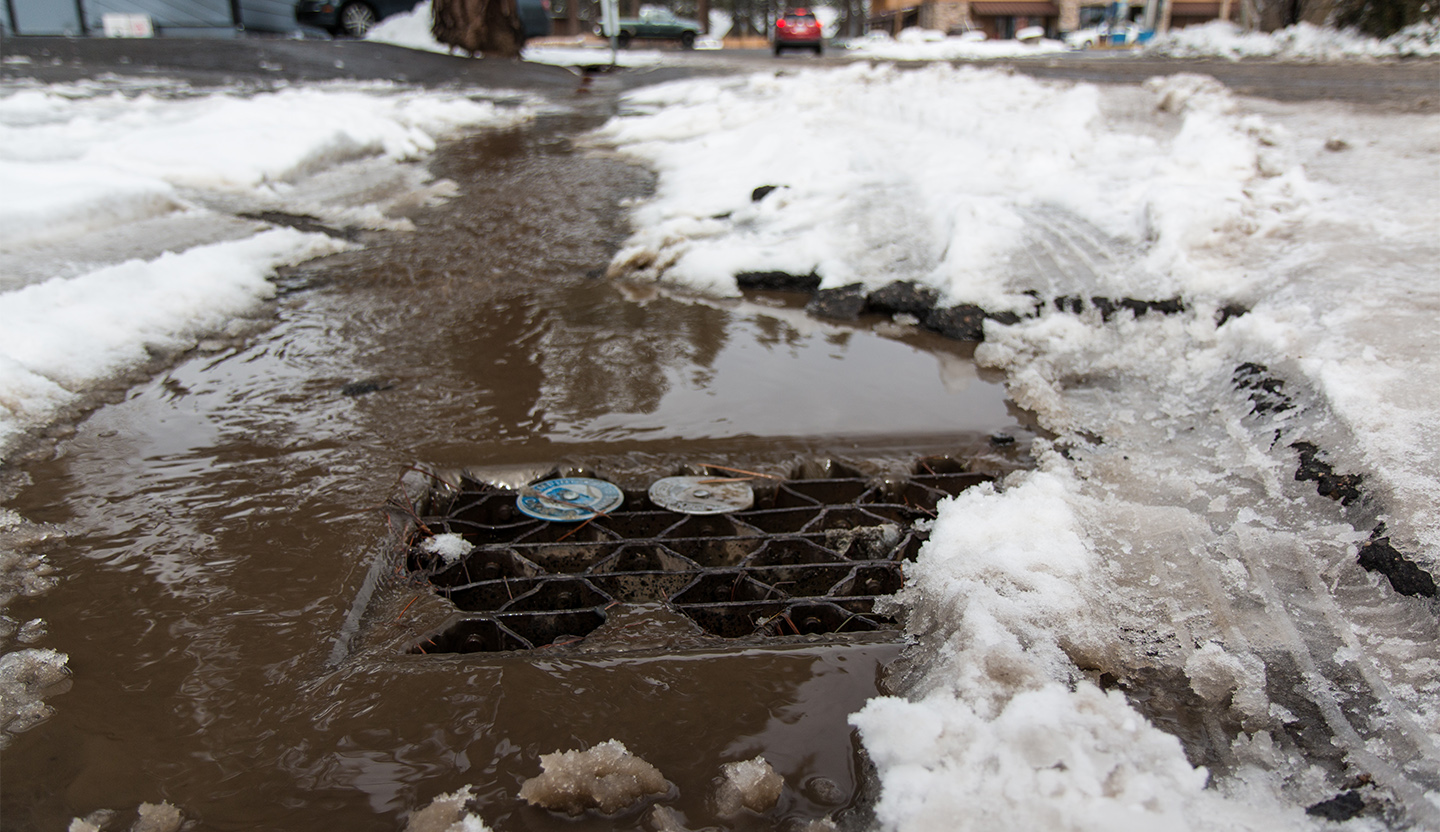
{"x": 353, "y": 18}
{"x": 798, "y": 29}
{"x": 535, "y": 19}
{"x": 1108, "y": 34}
{"x": 659, "y": 24}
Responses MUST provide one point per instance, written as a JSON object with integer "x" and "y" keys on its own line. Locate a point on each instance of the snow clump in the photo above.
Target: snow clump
{"x": 607, "y": 777}
{"x": 447, "y": 813}
{"x": 748, "y": 784}
{"x": 450, "y": 546}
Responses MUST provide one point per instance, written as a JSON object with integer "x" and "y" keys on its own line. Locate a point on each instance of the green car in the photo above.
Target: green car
{"x": 655, "y": 24}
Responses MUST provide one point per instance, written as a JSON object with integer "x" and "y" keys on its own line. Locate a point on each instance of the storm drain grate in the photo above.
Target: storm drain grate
{"x": 810, "y": 557}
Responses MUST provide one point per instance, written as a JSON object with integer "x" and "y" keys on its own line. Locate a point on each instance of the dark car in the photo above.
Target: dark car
{"x": 355, "y": 17}
{"x": 654, "y": 24}
{"x": 348, "y": 17}
{"x": 798, "y": 29}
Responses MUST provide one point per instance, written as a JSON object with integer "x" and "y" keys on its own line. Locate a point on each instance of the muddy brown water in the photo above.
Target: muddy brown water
{"x": 222, "y": 514}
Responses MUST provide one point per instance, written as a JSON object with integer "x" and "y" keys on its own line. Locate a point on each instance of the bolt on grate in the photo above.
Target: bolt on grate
{"x": 809, "y": 558}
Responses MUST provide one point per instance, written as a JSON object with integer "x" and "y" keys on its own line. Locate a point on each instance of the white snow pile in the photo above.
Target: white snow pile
{"x": 999, "y": 155}
{"x": 120, "y": 233}
{"x": 1164, "y": 546}
{"x": 915, "y": 44}
{"x": 592, "y": 54}
{"x": 409, "y": 29}
{"x": 1301, "y": 42}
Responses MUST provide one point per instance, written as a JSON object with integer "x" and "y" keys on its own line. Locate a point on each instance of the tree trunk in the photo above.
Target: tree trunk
{"x": 486, "y": 27}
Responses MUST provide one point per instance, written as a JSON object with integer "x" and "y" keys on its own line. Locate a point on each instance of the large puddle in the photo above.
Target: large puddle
{"x": 221, "y": 518}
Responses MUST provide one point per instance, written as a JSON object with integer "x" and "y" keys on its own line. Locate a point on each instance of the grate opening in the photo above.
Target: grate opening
{"x": 781, "y": 521}
{"x": 726, "y": 587}
{"x": 559, "y": 594}
{"x": 795, "y": 550}
{"x": 486, "y": 565}
{"x": 473, "y": 635}
{"x": 716, "y": 552}
{"x": 879, "y": 579}
{"x": 554, "y": 628}
{"x": 485, "y": 596}
{"x": 733, "y": 621}
{"x": 816, "y": 618}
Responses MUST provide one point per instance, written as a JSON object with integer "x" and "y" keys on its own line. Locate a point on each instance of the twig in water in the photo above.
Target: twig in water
{"x": 743, "y": 471}
{"x": 407, "y": 607}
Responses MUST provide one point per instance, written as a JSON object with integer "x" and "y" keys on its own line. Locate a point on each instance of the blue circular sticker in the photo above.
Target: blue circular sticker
{"x": 569, "y": 499}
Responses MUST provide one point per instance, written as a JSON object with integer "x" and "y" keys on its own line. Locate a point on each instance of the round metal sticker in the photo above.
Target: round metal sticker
{"x": 569, "y": 499}
{"x": 701, "y": 495}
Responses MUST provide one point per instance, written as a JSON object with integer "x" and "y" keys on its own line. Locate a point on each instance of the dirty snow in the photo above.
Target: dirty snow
{"x": 929, "y": 45}
{"x": 447, "y": 813}
{"x": 606, "y": 777}
{"x": 748, "y": 784}
{"x": 1301, "y": 42}
{"x": 1164, "y": 546}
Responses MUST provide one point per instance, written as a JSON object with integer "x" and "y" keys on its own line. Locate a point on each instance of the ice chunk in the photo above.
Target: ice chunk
{"x": 751, "y": 784}
{"x": 665, "y": 819}
{"x": 447, "y": 813}
{"x": 607, "y": 777}
{"x": 158, "y": 817}
{"x": 93, "y": 822}
{"x": 26, "y": 678}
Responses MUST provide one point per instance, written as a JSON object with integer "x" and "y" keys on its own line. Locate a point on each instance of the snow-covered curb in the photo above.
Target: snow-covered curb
{"x": 1301, "y": 42}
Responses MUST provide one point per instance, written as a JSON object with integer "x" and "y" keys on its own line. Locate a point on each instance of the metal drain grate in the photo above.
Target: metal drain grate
{"x": 808, "y": 558}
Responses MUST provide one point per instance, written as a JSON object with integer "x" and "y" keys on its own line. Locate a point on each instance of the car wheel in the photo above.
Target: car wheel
{"x": 623, "y": 40}
{"x": 778, "y": 47}
{"x": 687, "y": 40}
{"x": 356, "y": 19}
{"x": 819, "y": 49}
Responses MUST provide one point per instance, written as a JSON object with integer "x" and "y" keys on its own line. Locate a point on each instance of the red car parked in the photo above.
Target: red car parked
{"x": 798, "y": 28}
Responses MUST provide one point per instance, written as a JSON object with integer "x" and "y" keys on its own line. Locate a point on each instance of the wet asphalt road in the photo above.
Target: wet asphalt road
{"x": 1409, "y": 85}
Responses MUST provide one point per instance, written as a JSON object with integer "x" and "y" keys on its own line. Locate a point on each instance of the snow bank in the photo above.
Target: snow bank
{"x": 59, "y": 337}
{"x": 928, "y": 45}
{"x": 139, "y": 147}
{"x": 82, "y": 161}
{"x": 879, "y": 181}
{"x": 1301, "y": 42}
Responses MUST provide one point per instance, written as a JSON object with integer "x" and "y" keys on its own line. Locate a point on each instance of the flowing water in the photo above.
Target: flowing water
{"x": 221, "y": 517}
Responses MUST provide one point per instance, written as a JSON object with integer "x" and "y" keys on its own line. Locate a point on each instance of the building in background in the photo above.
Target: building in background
{"x": 1001, "y": 19}
{"x": 176, "y": 18}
